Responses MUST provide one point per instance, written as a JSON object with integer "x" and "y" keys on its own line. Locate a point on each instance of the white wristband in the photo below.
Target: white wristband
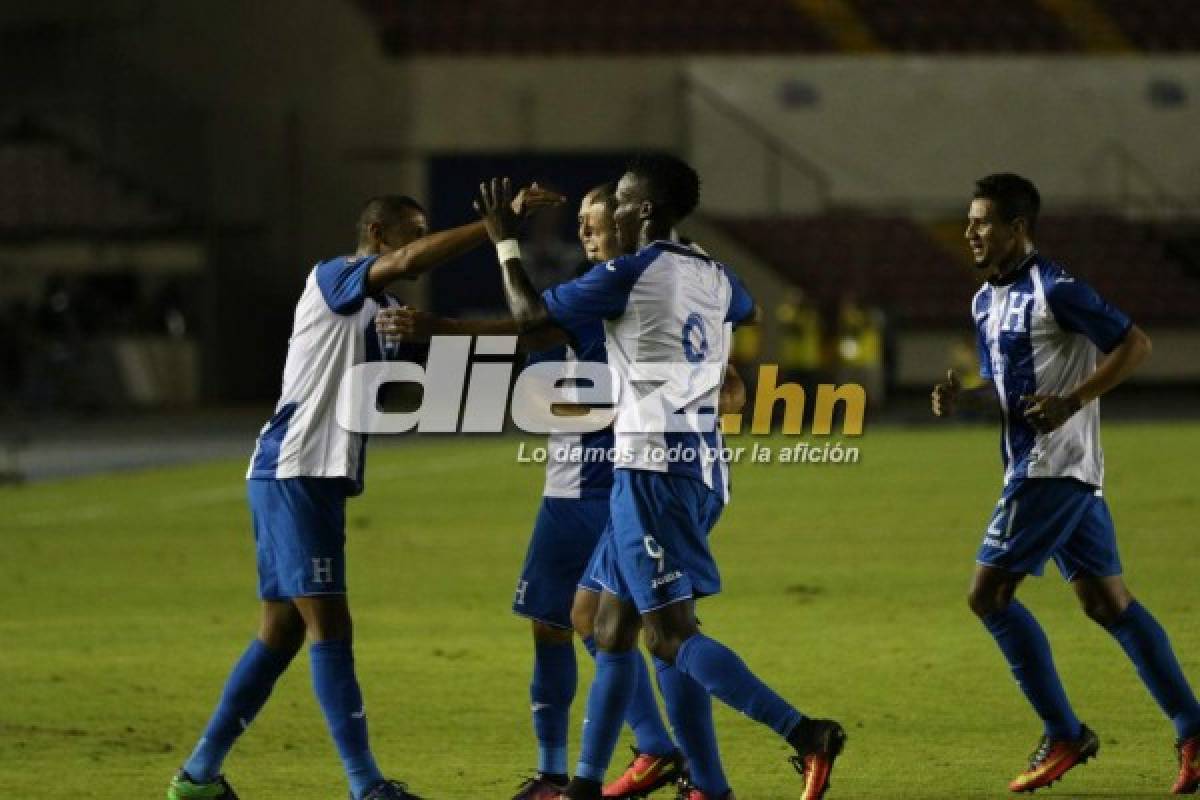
{"x": 507, "y": 250}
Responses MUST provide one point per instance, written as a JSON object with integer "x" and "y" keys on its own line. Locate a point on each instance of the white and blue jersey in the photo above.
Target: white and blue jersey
{"x": 577, "y": 464}
{"x": 668, "y": 314}
{"x": 333, "y": 330}
{"x": 1039, "y": 332}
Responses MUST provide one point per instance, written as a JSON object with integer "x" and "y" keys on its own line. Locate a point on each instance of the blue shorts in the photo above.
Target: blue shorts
{"x": 1040, "y": 518}
{"x": 300, "y": 534}
{"x": 656, "y": 549}
{"x": 564, "y": 538}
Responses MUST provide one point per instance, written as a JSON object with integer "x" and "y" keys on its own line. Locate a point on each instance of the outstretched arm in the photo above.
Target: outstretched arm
{"x": 417, "y": 258}
{"x": 409, "y": 323}
{"x": 524, "y": 302}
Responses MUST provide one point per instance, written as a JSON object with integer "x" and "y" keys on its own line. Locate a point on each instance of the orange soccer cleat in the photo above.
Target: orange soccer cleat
{"x": 1053, "y": 758}
{"x": 645, "y": 774}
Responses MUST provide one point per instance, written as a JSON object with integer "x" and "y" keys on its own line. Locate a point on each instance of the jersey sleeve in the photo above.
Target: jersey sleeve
{"x": 741, "y": 304}
{"x": 598, "y": 294}
{"x": 1080, "y": 308}
{"x": 343, "y": 282}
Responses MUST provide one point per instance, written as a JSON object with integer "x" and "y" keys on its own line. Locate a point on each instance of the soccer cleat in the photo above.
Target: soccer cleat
{"x": 689, "y": 792}
{"x": 388, "y": 790}
{"x": 184, "y": 788}
{"x": 818, "y": 743}
{"x": 539, "y": 787}
{"x": 1189, "y": 766}
{"x": 645, "y": 774}
{"x": 1053, "y": 758}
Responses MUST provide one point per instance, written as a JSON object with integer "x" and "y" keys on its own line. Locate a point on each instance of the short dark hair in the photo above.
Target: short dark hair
{"x": 1012, "y": 195}
{"x": 386, "y": 210}
{"x": 606, "y": 193}
{"x": 672, "y": 182}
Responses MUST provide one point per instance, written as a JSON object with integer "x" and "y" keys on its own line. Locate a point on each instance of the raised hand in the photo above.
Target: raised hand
{"x": 945, "y": 395}
{"x": 495, "y": 204}
{"x": 534, "y": 197}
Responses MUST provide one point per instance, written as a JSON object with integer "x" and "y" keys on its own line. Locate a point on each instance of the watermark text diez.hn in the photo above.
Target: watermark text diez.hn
{"x": 578, "y": 397}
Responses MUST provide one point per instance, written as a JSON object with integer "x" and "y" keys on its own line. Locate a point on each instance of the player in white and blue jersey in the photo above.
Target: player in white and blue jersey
{"x": 304, "y": 468}
{"x": 668, "y": 314}
{"x": 556, "y": 589}
{"x": 1040, "y": 332}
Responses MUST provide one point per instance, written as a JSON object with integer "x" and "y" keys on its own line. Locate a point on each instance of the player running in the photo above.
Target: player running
{"x": 1039, "y": 330}
{"x": 303, "y": 468}
{"x": 555, "y": 589}
{"x": 668, "y": 314}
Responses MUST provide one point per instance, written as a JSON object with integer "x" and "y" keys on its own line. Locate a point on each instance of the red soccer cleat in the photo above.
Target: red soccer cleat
{"x": 818, "y": 744}
{"x": 1053, "y": 758}
{"x": 645, "y": 774}
{"x": 1189, "y": 767}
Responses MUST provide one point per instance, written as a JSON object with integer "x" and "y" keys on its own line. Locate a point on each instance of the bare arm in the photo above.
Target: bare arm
{"x": 524, "y": 302}
{"x": 733, "y": 392}
{"x": 399, "y": 324}
{"x": 1116, "y": 368}
{"x": 415, "y": 259}
{"x": 1046, "y": 413}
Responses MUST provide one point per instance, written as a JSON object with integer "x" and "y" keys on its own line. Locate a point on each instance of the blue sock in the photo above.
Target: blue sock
{"x": 725, "y": 676}
{"x": 1147, "y": 645}
{"x": 555, "y": 675}
{"x": 643, "y": 716}
{"x": 1027, "y": 650}
{"x": 648, "y": 729}
{"x": 246, "y": 690}
{"x": 341, "y": 700}
{"x": 690, "y": 708}
{"x": 608, "y": 700}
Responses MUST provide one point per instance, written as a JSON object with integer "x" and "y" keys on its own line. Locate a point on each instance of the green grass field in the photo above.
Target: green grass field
{"x": 126, "y": 598}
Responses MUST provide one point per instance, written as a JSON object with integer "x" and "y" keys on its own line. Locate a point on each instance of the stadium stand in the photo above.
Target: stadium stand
{"x": 965, "y": 25}
{"x": 1170, "y": 25}
{"x": 897, "y": 264}
{"x": 547, "y": 27}
{"x": 52, "y": 186}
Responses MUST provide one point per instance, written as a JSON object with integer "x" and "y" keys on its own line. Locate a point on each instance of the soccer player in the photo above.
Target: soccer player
{"x": 303, "y": 469}
{"x": 555, "y": 589}
{"x": 668, "y": 314}
{"x": 1039, "y": 332}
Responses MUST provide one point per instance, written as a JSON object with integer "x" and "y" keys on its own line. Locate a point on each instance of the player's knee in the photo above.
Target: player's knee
{"x": 985, "y": 600}
{"x": 549, "y": 634}
{"x": 612, "y": 634}
{"x": 1103, "y": 609}
{"x": 663, "y": 645}
{"x": 583, "y": 618}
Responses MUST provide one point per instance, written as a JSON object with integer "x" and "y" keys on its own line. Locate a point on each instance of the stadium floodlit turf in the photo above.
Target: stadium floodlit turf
{"x": 126, "y": 598}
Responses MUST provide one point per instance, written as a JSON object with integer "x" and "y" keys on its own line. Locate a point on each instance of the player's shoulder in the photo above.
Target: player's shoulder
{"x": 1052, "y": 274}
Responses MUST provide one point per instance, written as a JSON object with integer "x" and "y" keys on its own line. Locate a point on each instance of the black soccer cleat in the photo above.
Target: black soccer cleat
{"x": 389, "y": 790}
